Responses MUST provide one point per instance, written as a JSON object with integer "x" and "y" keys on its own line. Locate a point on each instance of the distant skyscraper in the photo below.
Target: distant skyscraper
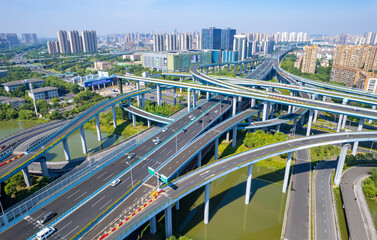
{"x": 211, "y": 38}
{"x": 29, "y": 38}
{"x": 292, "y": 37}
{"x": 63, "y": 42}
{"x": 53, "y": 47}
{"x": 227, "y": 37}
{"x": 158, "y": 42}
{"x": 10, "y": 39}
{"x": 74, "y": 41}
{"x": 240, "y": 45}
{"x": 310, "y": 59}
{"x": 89, "y": 41}
{"x": 198, "y": 41}
{"x": 284, "y": 37}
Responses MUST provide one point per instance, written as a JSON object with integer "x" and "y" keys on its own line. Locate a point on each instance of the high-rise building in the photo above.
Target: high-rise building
{"x": 310, "y": 59}
{"x": 158, "y": 43}
{"x": 240, "y": 45}
{"x": 348, "y": 56}
{"x": 171, "y": 42}
{"x": 29, "y": 38}
{"x": 211, "y": 38}
{"x": 292, "y": 37}
{"x": 63, "y": 42}
{"x": 53, "y": 47}
{"x": 9, "y": 39}
{"x": 227, "y": 37}
{"x": 198, "y": 41}
{"x": 284, "y": 37}
{"x": 268, "y": 46}
{"x": 89, "y": 41}
{"x": 74, "y": 41}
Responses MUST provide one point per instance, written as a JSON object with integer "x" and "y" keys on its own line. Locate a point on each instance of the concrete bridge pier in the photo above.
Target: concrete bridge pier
{"x": 265, "y": 111}
{"x": 356, "y": 144}
{"x": 248, "y": 184}
{"x": 278, "y": 128}
{"x": 219, "y": 70}
{"x": 374, "y": 108}
{"x": 149, "y": 123}
{"x": 286, "y": 174}
{"x": 175, "y": 95}
{"x": 152, "y": 225}
{"x": 339, "y": 123}
{"x": 339, "y": 168}
{"x": 83, "y": 140}
{"x": 194, "y": 98}
{"x": 181, "y": 80}
{"x": 258, "y": 116}
{"x": 66, "y": 150}
{"x": 133, "y": 120}
{"x": 27, "y": 179}
{"x": 168, "y": 222}
{"x": 344, "y": 121}
{"x": 207, "y": 70}
{"x": 158, "y": 95}
{"x": 234, "y": 106}
{"x": 309, "y": 123}
{"x": 138, "y": 96}
{"x": 207, "y": 95}
{"x": 44, "y": 168}
{"x": 206, "y": 204}
{"x": 227, "y": 136}
{"x": 189, "y": 99}
{"x": 302, "y": 120}
{"x": 234, "y": 141}
{"x": 252, "y": 102}
{"x": 228, "y": 68}
{"x": 98, "y": 127}
{"x": 142, "y": 101}
{"x": 199, "y": 159}
{"x": 213, "y": 70}
{"x": 114, "y": 116}
{"x": 216, "y": 148}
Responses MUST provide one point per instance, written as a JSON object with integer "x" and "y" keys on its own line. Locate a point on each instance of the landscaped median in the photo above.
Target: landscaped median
{"x": 129, "y": 217}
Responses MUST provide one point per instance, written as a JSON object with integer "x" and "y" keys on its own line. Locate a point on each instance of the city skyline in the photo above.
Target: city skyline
{"x": 163, "y": 16}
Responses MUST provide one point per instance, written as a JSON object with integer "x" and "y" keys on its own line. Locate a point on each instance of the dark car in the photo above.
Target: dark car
{"x": 200, "y": 121}
{"x": 184, "y": 130}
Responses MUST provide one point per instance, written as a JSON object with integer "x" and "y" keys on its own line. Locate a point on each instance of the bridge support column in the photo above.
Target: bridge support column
{"x": 181, "y": 80}
{"x": 27, "y": 179}
{"x": 339, "y": 122}
{"x": 219, "y": 70}
{"x": 133, "y": 120}
{"x": 248, "y": 184}
{"x": 158, "y": 95}
{"x": 216, "y": 148}
{"x": 66, "y": 150}
{"x": 227, "y": 136}
{"x": 207, "y": 96}
{"x": 356, "y": 144}
{"x": 374, "y": 108}
{"x": 234, "y": 142}
{"x": 290, "y": 106}
{"x": 278, "y": 128}
{"x": 114, "y": 116}
{"x": 344, "y": 121}
{"x": 265, "y": 111}
{"x": 207, "y": 70}
{"x": 152, "y": 225}
{"x": 213, "y": 70}
{"x": 98, "y": 127}
{"x": 339, "y": 168}
{"x": 83, "y": 140}
{"x": 258, "y": 116}
{"x": 149, "y": 123}
{"x": 287, "y": 170}
{"x": 199, "y": 159}
{"x": 194, "y": 98}
{"x": 189, "y": 99}
{"x": 252, "y": 102}
{"x": 177, "y": 205}
{"x": 168, "y": 222}
{"x": 315, "y": 116}
{"x": 175, "y": 95}
{"x": 206, "y": 204}
{"x": 235, "y": 69}
{"x": 309, "y": 123}
{"x": 294, "y": 126}
{"x": 234, "y": 106}
{"x": 44, "y": 168}
{"x": 138, "y": 96}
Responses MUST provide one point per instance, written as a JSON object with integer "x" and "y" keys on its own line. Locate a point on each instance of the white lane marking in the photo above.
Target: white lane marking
{"x": 108, "y": 176}
{"x": 71, "y": 231}
{"x": 203, "y": 173}
{"x": 98, "y": 200}
{"x": 73, "y": 193}
{"x": 79, "y": 196}
{"x": 101, "y": 175}
{"x": 65, "y": 226}
{"x": 104, "y": 205}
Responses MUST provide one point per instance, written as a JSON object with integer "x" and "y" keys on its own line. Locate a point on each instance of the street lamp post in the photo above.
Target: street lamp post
{"x": 132, "y": 179}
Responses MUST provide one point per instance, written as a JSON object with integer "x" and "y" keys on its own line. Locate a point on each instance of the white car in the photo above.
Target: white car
{"x": 164, "y": 130}
{"x": 130, "y": 155}
{"x": 115, "y": 182}
{"x": 45, "y": 233}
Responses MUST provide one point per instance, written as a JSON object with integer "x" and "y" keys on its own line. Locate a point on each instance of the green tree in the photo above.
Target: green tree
{"x": 26, "y": 114}
{"x": 54, "y": 115}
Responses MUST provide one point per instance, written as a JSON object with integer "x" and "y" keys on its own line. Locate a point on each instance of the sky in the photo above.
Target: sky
{"x": 46, "y": 17}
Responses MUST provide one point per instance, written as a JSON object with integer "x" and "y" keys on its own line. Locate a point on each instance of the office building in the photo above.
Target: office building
{"x": 227, "y": 38}
{"x": 9, "y": 40}
{"x": 14, "y": 102}
{"x": 89, "y": 41}
{"x": 29, "y": 38}
{"x": 74, "y": 41}
{"x": 211, "y": 38}
{"x": 63, "y": 42}
{"x": 44, "y": 93}
{"x": 198, "y": 41}
{"x": 309, "y": 61}
{"x": 53, "y": 47}
{"x": 12, "y": 86}
{"x": 229, "y": 56}
{"x": 102, "y": 65}
{"x": 268, "y": 46}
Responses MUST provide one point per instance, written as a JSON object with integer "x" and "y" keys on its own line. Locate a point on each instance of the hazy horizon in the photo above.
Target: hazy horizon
{"x": 46, "y": 17}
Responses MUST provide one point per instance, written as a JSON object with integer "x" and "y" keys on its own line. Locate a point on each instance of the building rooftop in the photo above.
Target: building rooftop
{"x": 9, "y": 99}
{"x": 43, "y": 89}
{"x": 20, "y": 82}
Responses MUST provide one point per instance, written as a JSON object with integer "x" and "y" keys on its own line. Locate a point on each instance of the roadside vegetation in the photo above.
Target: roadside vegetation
{"x": 370, "y": 185}
{"x": 165, "y": 110}
{"x": 321, "y": 73}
